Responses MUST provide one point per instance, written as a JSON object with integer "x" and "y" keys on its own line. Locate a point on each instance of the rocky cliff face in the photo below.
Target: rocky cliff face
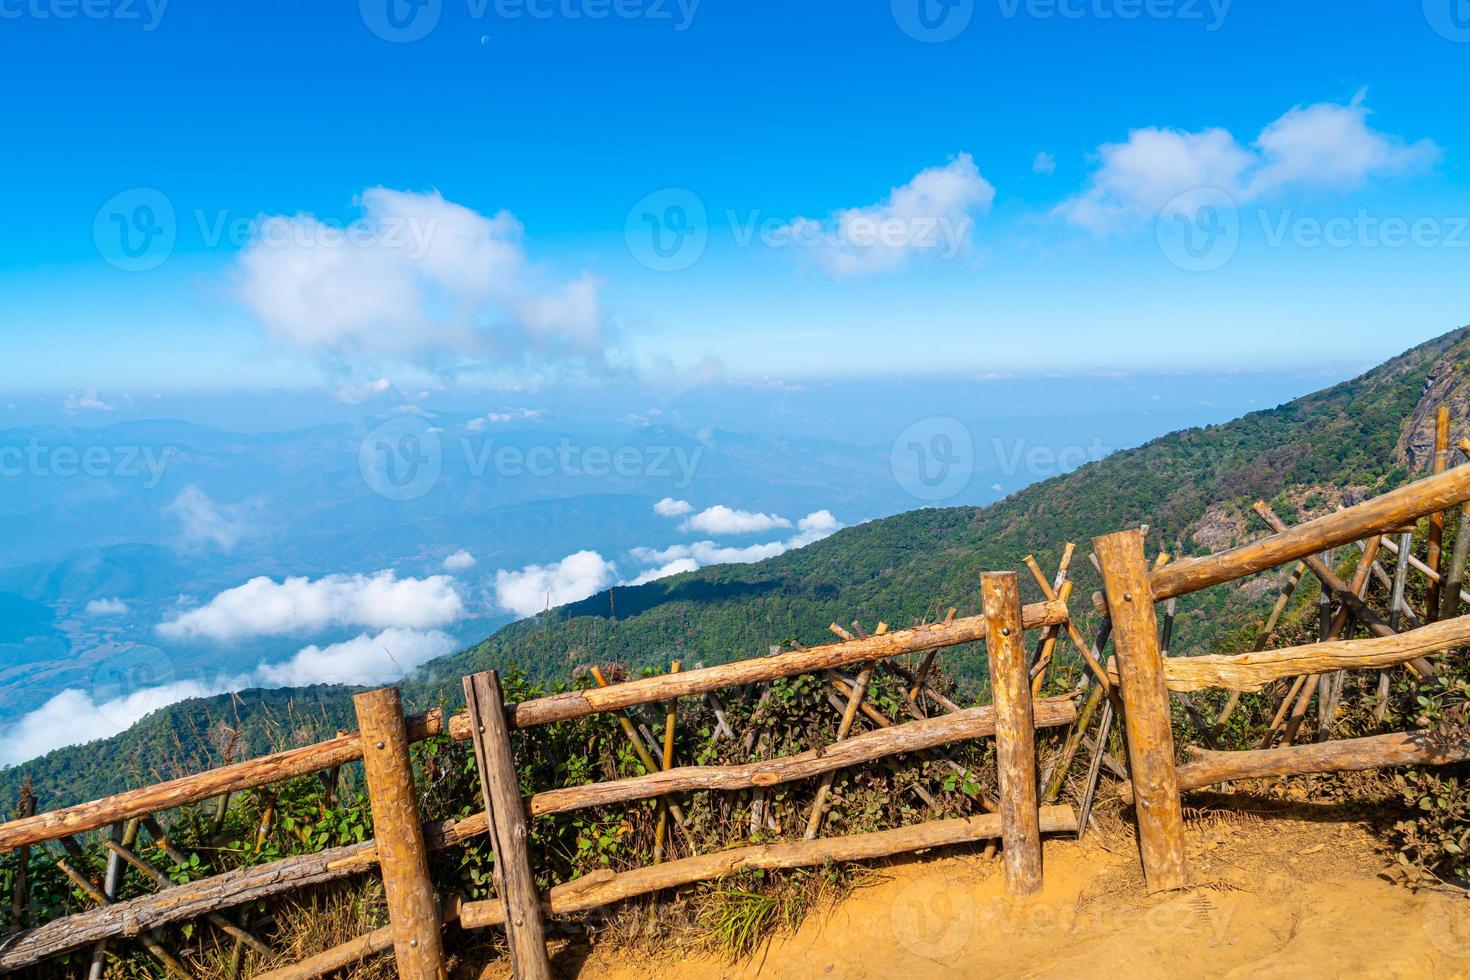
{"x": 1448, "y": 384}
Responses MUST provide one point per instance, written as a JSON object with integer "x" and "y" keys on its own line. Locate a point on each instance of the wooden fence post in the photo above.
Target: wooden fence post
{"x": 412, "y": 910}
{"x": 1015, "y": 732}
{"x": 507, "y": 825}
{"x": 1130, "y": 600}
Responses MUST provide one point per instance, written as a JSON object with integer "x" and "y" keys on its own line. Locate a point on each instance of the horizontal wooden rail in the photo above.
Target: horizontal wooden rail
{"x": 339, "y": 751}
{"x": 1391, "y": 510}
{"x": 581, "y": 895}
{"x": 1253, "y": 671}
{"x": 913, "y": 736}
{"x": 1419, "y": 748}
{"x": 648, "y": 690}
{"x": 605, "y": 887}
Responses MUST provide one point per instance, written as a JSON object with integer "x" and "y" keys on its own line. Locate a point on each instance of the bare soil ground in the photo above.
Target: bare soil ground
{"x": 1284, "y": 891}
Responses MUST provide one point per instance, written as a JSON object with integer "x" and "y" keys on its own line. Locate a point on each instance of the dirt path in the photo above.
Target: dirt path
{"x": 1281, "y": 897}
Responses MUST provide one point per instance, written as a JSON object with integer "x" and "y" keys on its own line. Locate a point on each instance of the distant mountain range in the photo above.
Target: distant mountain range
{"x": 1193, "y": 487}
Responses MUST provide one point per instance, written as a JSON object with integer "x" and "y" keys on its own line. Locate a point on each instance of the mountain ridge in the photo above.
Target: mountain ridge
{"x": 1193, "y": 486}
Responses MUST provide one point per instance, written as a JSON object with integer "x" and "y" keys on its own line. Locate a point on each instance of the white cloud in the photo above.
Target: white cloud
{"x": 418, "y": 277}
{"x": 86, "y": 400}
{"x": 1044, "y": 163}
{"x": 932, "y": 214}
{"x": 459, "y": 561}
{"x": 669, "y": 507}
{"x": 205, "y": 522}
{"x": 74, "y": 717}
{"x": 536, "y": 587}
{"x": 813, "y": 527}
{"x": 107, "y": 607}
{"x": 264, "y": 607}
{"x": 359, "y": 393}
{"x": 720, "y": 519}
{"x": 500, "y": 418}
{"x": 664, "y": 571}
{"x": 362, "y": 661}
{"x": 1322, "y": 147}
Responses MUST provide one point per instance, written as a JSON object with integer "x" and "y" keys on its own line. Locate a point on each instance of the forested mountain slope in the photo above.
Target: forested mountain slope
{"x": 1193, "y": 487}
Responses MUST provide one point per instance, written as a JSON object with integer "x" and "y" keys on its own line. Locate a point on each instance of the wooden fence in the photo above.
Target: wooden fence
{"x": 1136, "y": 684}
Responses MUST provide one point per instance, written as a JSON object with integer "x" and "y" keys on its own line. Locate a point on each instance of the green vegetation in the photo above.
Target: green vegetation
{"x": 902, "y": 570}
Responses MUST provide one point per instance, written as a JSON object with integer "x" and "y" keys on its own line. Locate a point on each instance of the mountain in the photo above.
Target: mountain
{"x": 1193, "y": 488}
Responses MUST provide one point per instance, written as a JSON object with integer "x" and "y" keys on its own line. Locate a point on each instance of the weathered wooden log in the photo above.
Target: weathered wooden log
{"x": 558, "y": 707}
{"x": 1419, "y": 748}
{"x": 1126, "y": 582}
{"x": 1449, "y": 597}
{"x": 515, "y": 882}
{"x": 671, "y": 718}
{"x": 336, "y": 958}
{"x": 1391, "y": 510}
{"x": 576, "y": 897}
{"x": 1253, "y": 671}
{"x": 811, "y": 660}
{"x": 910, "y": 737}
{"x": 412, "y": 910}
{"x": 1015, "y": 732}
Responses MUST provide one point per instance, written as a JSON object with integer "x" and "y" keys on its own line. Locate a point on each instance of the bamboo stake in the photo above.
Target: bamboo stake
{"x": 1415, "y": 563}
{"x": 1073, "y": 741}
{"x": 506, "y": 817}
{"x": 1015, "y": 732}
{"x": 849, "y": 714}
{"x": 417, "y": 945}
{"x": 19, "y": 896}
{"x": 644, "y": 756}
{"x": 1450, "y": 596}
{"x": 1436, "y": 519}
{"x": 611, "y": 888}
{"x": 1267, "y": 632}
{"x": 663, "y": 808}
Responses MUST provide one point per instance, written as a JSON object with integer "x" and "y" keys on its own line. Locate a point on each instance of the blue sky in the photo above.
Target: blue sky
{"x": 789, "y": 113}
